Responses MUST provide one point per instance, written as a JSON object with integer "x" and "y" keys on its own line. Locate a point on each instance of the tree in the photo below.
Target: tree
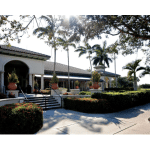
{"x": 84, "y": 50}
{"x": 114, "y": 50}
{"x": 50, "y": 32}
{"x": 145, "y": 72}
{"x": 133, "y": 68}
{"x": 66, "y": 43}
{"x": 101, "y": 55}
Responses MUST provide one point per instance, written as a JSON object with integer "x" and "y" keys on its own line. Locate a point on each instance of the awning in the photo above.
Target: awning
{"x": 65, "y": 77}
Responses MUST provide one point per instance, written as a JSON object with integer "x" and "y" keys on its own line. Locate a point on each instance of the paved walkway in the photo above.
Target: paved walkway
{"x": 131, "y": 121}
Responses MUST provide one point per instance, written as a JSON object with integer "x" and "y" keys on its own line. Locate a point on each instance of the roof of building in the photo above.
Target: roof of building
{"x": 110, "y": 74}
{"x": 63, "y": 68}
{"x": 16, "y": 51}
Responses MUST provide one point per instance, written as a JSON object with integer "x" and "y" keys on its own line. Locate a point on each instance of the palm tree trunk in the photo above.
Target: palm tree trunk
{"x": 68, "y": 72}
{"x": 115, "y": 69}
{"x": 135, "y": 82}
{"x": 90, "y": 65}
{"x": 54, "y": 60}
{"x": 104, "y": 75}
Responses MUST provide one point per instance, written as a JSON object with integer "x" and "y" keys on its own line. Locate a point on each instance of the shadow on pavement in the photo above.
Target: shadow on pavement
{"x": 88, "y": 121}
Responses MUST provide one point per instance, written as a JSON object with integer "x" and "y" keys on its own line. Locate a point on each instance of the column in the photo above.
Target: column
{"x": 63, "y": 84}
{"x": 2, "y": 82}
{"x": 33, "y": 75}
{"x": 42, "y": 82}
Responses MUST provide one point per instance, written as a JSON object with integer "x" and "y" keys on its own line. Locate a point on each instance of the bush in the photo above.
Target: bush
{"x": 20, "y": 118}
{"x": 3, "y": 96}
{"x": 119, "y": 101}
{"x": 85, "y": 93}
{"x": 119, "y": 89}
{"x": 89, "y": 105}
{"x": 145, "y": 86}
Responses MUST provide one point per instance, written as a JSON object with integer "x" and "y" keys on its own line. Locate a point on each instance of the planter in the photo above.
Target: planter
{"x": 77, "y": 87}
{"x": 35, "y": 91}
{"x": 54, "y": 86}
{"x": 12, "y": 86}
{"x": 95, "y": 85}
{"x": 91, "y": 87}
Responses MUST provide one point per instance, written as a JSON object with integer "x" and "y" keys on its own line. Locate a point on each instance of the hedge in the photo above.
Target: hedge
{"x": 108, "y": 102}
{"x": 85, "y": 93}
{"x": 119, "y": 89}
{"x": 89, "y": 105}
{"x": 20, "y": 118}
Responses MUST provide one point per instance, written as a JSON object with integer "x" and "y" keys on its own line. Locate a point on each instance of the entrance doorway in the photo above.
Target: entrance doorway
{"x": 22, "y": 72}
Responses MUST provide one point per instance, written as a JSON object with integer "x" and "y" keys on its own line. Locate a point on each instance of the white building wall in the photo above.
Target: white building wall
{"x": 35, "y": 66}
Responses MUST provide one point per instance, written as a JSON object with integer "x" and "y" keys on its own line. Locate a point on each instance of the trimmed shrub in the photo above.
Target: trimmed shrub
{"x": 85, "y": 93}
{"x": 20, "y": 118}
{"x": 120, "y": 101}
{"x": 119, "y": 89}
{"x": 89, "y": 105}
{"x": 145, "y": 86}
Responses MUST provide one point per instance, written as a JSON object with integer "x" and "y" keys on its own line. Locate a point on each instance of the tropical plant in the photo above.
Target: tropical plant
{"x": 90, "y": 83}
{"x": 76, "y": 83}
{"x": 13, "y": 77}
{"x": 133, "y": 67}
{"x": 96, "y": 76}
{"x": 50, "y": 32}
{"x": 114, "y": 50}
{"x": 36, "y": 85}
{"x": 84, "y": 50}
{"x": 66, "y": 43}
{"x": 54, "y": 79}
{"x": 145, "y": 72}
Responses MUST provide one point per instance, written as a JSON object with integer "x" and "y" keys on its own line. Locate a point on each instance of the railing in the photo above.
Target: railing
{"x": 23, "y": 94}
{"x": 56, "y": 93}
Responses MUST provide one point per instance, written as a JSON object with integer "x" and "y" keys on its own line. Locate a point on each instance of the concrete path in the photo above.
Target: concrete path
{"x": 130, "y": 121}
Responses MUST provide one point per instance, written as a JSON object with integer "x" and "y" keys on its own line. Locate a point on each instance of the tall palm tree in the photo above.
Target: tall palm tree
{"x": 133, "y": 67}
{"x": 49, "y": 31}
{"x": 84, "y": 50}
{"x": 66, "y": 43}
{"x": 101, "y": 55}
{"x": 114, "y": 50}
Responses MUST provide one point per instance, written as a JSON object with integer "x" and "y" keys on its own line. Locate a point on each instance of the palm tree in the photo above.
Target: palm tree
{"x": 84, "y": 50}
{"x": 66, "y": 43}
{"x": 101, "y": 55}
{"x": 133, "y": 68}
{"x": 50, "y": 31}
{"x": 146, "y": 71}
{"x": 113, "y": 50}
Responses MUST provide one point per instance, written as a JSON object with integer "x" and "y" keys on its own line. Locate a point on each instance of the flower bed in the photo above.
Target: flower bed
{"x": 20, "y": 118}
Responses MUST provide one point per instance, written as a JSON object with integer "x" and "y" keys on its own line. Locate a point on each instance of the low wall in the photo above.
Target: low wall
{"x": 11, "y": 101}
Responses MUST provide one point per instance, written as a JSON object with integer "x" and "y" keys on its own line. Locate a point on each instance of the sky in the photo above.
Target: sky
{"x": 34, "y": 44}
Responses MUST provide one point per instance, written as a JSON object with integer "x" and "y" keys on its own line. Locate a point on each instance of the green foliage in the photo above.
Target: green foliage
{"x": 54, "y": 79}
{"x": 76, "y": 83}
{"x": 96, "y": 76}
{"x": 85, "y": 93}
{"x": 119, "y": 89}
{"x": 36, "y": 85}
{"x": 89, "y": 105}
{"x": 90, "y": 83}
{"x": 13, "y": 77}
{"x": 20, "y": 118}
{"x": 123, "y": 100}
{"x": 144, "y": 86}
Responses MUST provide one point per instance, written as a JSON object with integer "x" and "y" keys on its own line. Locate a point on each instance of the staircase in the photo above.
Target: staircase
{"x": 46, "y": 103}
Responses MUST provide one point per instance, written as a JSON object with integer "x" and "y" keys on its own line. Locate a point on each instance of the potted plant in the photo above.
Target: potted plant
{"x": 90, "y": 84}
{"x": 54, "y": 81}
{"x": 12, "y": 80}
{"x": 77, "y": 84}
{"x": 95, "y": 78}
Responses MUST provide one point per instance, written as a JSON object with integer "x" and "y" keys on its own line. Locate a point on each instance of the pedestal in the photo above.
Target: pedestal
{"x": 14, "y": 92}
